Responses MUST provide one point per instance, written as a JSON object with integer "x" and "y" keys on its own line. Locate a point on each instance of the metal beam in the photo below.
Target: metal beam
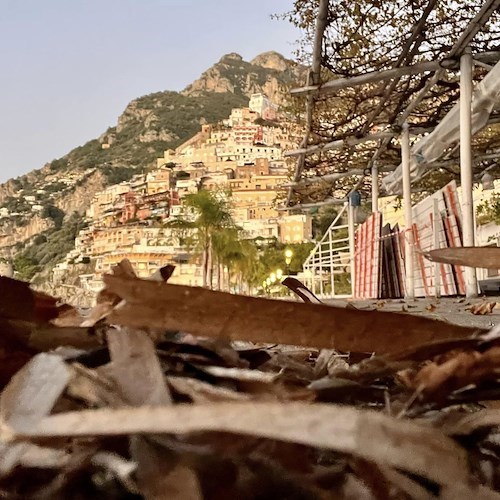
{"x": 405, "y": 159}
{"x": 313, "y": 78}
{"x": 374, "y": 76}
{"x": 303, "y": 206}
{"x": 350, "y": 141}
{"x": 375, "y": 187}
{"x": 352, "y": 244}
{"x": 466, "y": 165}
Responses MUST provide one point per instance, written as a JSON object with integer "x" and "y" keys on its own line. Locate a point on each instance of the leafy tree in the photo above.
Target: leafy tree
{"x": 322, "y": 219}
{"x": 238, "y": 256}
{"x": 205, "y": 215}
{"x": 273, "y": 258}
{"x": 489, "y": 210}
{"x": 363, "y": 36}
{"x": 25, "y": 267}
{"x": 60, "y": 164}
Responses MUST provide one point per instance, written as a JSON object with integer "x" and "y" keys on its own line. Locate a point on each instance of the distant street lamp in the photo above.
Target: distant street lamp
{"x": 279, "y": 274}
{"x": 272, "y": 277}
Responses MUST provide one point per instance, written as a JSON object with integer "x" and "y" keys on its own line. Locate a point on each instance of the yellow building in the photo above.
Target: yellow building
{"x": 258, "y": 182}
{"x": 158, "y": 181}
{"x": 295, "y": 228}
{"x": 187, "y": 274}
{"x": 259, "y": 202}
{"x": 144, "y": 263}
{"x": 127, "y": 236}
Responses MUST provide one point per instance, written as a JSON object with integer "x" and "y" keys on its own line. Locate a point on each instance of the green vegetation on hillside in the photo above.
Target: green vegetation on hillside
{"x": 48, "y": 248}
{"x": 162, "y": 114}
{"x": 149, "y": 125}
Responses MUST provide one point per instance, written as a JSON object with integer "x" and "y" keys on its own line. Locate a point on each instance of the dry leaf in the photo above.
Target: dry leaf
{"x": 438, "y": 379}
{"x": 136, "y": 369}
{"x": 202, "y": 392}
{"x": 223, "y": 315}
{"x": 407, "y": 446}
{"x": 300, "y": 290}
{"x": 483, "y": 308}
{"x": 482, "y": 257}
{"x": 33, "y": 391}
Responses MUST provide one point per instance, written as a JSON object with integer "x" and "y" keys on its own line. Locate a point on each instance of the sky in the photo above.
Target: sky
{"x": 68, "y": 68}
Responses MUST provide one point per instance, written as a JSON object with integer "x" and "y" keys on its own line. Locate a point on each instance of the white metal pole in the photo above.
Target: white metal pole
{"x": 466, "y": 165}
{"x": 437, "y": 266}
{"x": 405, "y": 159}
{"x": 330, "y": 258}
{"x": 321, "y": 291}
{"x": 352, "y": 246}
{"x": 375, "y": 187}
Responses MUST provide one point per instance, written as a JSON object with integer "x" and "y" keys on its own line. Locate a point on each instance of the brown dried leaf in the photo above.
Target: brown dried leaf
{"x": 482, "y": 257}
{"x": 203, "y": 392}
{"x": 472, "y": 422}
{"x": 406, "y": 485}
{"x": 159, "y": 476}
{"x": 437, "y": 379}
{"x": 300, "y": 290}
{"x": 136, "y": 369}
{"x": 44, "y": 337}
{"x": 33, "y": 391}
{"x": 407, "y": 446}
{"x": 29, "y": 455}
{"x": 222, "y": 315}
{"x": 20, "y": 302}
{"x": 94, "y": 387}
{"x": 483, "y": 308}
{"x": 242, "y": 374}
{"x": 106, "y": 300}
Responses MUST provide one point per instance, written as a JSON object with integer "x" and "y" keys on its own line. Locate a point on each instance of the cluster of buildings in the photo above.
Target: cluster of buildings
{"x": 241, "y": 158}
{"x": 26, "y": 202}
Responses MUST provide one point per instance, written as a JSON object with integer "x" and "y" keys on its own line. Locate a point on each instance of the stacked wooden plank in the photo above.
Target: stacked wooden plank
{"x": 367, "y": 257}
{"x": 379, "y": 256}
{"x": 392, "y": 250}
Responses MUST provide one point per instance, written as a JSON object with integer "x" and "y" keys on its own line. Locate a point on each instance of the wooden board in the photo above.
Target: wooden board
{"x": 367, "y": 259}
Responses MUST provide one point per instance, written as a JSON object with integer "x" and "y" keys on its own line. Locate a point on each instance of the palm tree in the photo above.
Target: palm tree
{"x": 225, "y": 244}
{"x": 241, "y": 259}
{"x": 206, "y": 215}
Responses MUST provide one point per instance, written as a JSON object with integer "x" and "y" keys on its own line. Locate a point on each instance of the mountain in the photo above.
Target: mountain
{"x": 148, "y": 126}
{"x": 268, "y": 73}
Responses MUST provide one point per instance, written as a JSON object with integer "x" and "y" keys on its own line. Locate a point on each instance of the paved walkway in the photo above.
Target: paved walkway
{"x": 454, "y": 310}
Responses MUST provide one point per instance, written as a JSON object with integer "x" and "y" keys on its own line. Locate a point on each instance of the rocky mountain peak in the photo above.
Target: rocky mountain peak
{"x": 232, "y": 56}
{"x": 271, "y": 60}
{"x": 265, "y": 73}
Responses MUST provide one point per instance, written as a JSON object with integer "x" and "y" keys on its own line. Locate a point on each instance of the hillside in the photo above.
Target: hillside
{"x": 148, "y": 126}
{"x": 163, "y": 120}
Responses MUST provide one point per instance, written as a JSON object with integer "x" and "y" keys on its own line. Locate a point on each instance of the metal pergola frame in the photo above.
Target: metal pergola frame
{"x": 316, "y": 89}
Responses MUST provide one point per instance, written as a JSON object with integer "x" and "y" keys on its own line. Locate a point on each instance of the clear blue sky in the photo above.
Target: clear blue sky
{"x": 68, "y": 68}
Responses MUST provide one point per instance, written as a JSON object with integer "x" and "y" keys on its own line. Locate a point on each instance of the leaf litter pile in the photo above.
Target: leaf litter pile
{"x": 171, "y": 392}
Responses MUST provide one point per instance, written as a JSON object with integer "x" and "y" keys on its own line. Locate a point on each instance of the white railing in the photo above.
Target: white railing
{"x": 327, "y": 269}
